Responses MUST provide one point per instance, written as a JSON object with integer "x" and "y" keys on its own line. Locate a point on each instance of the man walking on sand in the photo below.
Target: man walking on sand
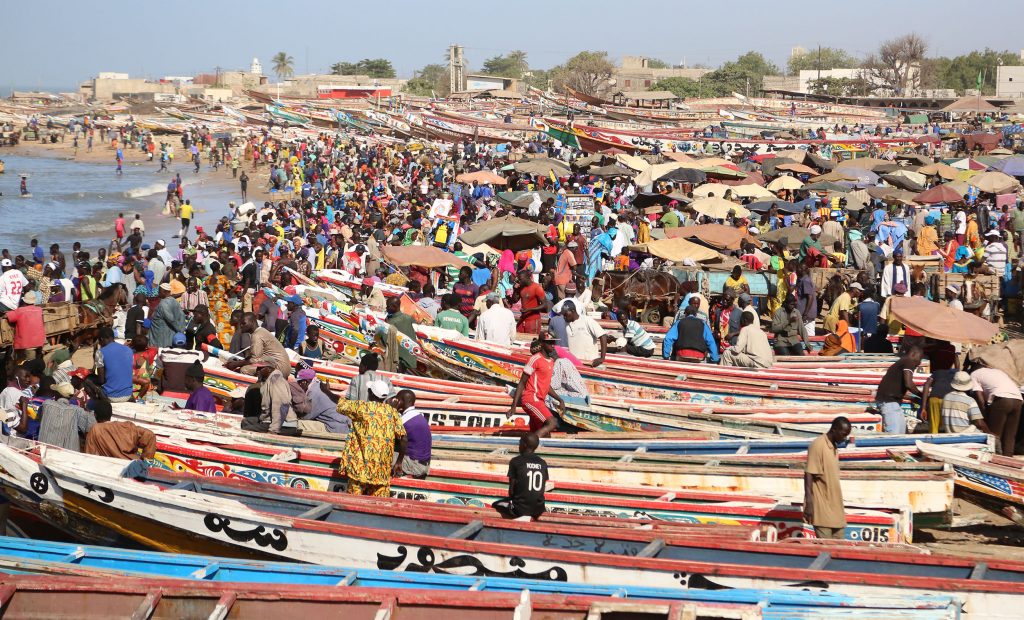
{"x": 244, "y": 182}
{"x": 823, "y": 495}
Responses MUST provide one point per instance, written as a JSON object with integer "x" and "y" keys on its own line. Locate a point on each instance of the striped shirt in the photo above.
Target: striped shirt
{"x": 638, "y": 336}
{"x": 958, "y": 411}
{"x": 63, "y": 424}
{"x": 995, "y": 255}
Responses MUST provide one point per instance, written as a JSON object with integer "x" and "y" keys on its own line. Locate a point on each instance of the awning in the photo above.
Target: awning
{"x": 421, "y": 255}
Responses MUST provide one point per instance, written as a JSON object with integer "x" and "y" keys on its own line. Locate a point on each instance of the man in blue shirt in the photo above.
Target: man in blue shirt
{"x": 114, "y": 367}
{"x": 690, "y": 339}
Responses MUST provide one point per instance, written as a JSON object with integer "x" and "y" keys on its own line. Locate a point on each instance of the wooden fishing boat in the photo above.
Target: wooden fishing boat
{"x": 28, "y": 596}
{"x": 92, "y": 562}
{"x": 989, "y": 480}
{"x": 261, "y": 521}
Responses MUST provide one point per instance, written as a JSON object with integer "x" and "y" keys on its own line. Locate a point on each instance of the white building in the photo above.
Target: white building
{"x": 256, "y": 67}
{"x": 1010, "y": 82}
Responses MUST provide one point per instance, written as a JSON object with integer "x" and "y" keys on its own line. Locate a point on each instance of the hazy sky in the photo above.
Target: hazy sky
{"x": 183, "y": 37}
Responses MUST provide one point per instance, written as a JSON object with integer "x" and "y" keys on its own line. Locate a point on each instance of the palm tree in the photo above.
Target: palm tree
{"x": 517, "y": 59}
{"x": 283, "y": 64}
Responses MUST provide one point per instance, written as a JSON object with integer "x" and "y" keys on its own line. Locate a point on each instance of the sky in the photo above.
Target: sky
{"x": 184, "y": 37}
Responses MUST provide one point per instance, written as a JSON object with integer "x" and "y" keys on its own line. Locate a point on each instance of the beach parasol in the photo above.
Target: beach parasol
{"x": 651, "y": 199}
{"x": 967, "y": 164}
{"x": 913, "y": 177}
{"x": 721, "y": 172}
{"x": 482, "y": 177}
{"x": 866, "y": 163}
{"x": 794, "y": 236}
{"x": 940, "y": 193}
{"x": 785, "y": 182}
{"x": 684, "y": 175}
{"x": 718, "y": 208}
{"x": 752, "y": 178}
{"x": 707, "y": 162}
{"x": 994, "y": 182}
{"x": 763, "y": 206}
{"x": 795, "y": 167}
{"x": 717, "y": 236}
{"x": 611, "y": 171}
{"x": 1012, "y": 166}
{"x": 421, "y": 255}
{"x": 703, "y": 191}
{"x": 542, "y": 166}
{"x": 523, "y": 199}
{"x": 650, "y": 173}
{"x": 902, "y": 182}
{"x": 942, "y": 170}
{"x": 941, "y": 322}
{"x": 825, "y": 186}
{"x": 749, "y": 190}
{"x": 506, "y": 233}
{"x": 676, "y": 250}
{"x": 680, "y": 157}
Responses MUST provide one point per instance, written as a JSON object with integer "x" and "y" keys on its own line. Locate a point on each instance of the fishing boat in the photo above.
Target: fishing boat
{"x": 262, "y": 521}
{"x": 989, "y": 480}
{"x": 19, "y": 556}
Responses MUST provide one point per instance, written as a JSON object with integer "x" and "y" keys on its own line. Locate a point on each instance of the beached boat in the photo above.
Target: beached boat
{"x": 320, "y": 528}
{"x": 989, "y": 480}
{"x": 92, "y": 562}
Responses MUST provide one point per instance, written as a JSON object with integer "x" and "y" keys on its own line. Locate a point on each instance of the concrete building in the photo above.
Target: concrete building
{"x": 1010, "y": 81}
{"x": 479, "y": 81}
{"x": 330, "y": 86}
{"x": 114, "y": 86}
{"x": 636, "y": 74}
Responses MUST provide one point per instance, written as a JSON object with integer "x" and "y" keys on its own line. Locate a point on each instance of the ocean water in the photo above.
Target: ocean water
{"x": 76, "y": 201}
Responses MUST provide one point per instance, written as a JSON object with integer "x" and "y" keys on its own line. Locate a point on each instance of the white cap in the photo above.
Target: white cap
{"x": 815, "y": 230}
{"x": 6, "y": 263}
{"x": 379, "y": 388}
{"x": 160, "y": 242}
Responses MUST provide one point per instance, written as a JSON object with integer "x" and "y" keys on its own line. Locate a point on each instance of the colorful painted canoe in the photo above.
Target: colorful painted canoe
{"x": 261, "y": 521}
{"x": 69, "y": 560}
{"x": 989, "y": 480}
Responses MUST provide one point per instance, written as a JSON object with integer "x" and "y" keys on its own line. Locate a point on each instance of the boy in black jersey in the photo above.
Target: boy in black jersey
{"x": 527, "y": 480}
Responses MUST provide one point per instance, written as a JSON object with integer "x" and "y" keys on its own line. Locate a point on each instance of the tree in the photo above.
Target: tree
{"x": 897, "y": 63}
{"x": 680, "y": 87}
{"x": 838, "y": 87}
{"x": 513, "y": 65}
{"x": 372, "y": 67}
{"x": 537, "y": 78}
{"x": 961, "y": 73}
{"x": 586, "y": 72}
{"x": 657, "y": 63}
{"x": 821, "y": 58}
{"x": 745, "y": 73}
{"x": 283, "y": 64}
{"x": 430, "y": 80}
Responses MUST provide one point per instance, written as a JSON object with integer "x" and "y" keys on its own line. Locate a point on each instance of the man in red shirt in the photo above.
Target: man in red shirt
{"x": 29, "y": 332}
{"x": 535, "y": 386}
{"x": 534, "y": 304}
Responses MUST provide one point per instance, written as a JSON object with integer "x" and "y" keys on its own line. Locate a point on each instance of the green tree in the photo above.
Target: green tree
{"x": 657, "y": 63}
{"x": 680, "y": 87}
{"x": 283, "y": 65}
{"x": 738, "y": 76}
{"x": 961, "y": 73}
{"x": 822, "y": 58}
{"x": 537, "y": 78}
{"x": 373, "y": 67}
{"x": 839, "y": 87}
{"x": 430, "y": 80}
{"x": 512, "y": 65}
{"x": 586, "y": 72}
{"x": 896, "y": 65}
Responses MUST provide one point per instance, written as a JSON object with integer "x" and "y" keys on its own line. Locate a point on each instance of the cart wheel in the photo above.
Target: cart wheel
{"x": 651, "y": 315}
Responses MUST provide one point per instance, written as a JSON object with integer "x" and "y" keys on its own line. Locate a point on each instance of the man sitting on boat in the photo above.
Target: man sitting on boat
{"x": 690, "y": 339}
{"x": 121, "y": 440}
{"x": 752, "y": 349}
{"x": 527, "y": 482}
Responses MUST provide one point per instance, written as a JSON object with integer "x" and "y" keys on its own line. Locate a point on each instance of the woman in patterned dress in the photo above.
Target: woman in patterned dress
{"x": 220, "y": 310}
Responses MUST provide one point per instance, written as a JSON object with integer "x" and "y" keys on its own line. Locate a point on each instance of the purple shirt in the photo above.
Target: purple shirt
{"x": 201, "y": 400}
{"x": 418, "y": 429}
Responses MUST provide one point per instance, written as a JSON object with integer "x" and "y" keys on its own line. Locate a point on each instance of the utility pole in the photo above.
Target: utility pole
{"x": 819, "y": 62}
{"x": 455, "y": 68}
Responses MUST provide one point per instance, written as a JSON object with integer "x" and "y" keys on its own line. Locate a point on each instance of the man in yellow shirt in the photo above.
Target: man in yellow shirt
{"x": 185, "y": 212}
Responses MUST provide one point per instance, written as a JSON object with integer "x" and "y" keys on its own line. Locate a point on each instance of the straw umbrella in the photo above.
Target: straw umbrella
{"x": 994, "y": 182}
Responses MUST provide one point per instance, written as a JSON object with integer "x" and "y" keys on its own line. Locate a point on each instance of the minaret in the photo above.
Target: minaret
{"x": 256, "y": 67}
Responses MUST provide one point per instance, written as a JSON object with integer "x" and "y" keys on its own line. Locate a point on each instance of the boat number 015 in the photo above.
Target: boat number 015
{"x": 872, "y": 534}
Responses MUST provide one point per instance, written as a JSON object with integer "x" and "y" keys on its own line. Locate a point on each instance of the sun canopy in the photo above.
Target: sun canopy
{"x": 940, "y": 193}
{"x": 994, "y": 182}
{"x": 941, "y": 322}
{"x": 943, "y": 170}
{"x": 481, "y": 176}
{"x": 794, "y": 236}
{"x": 506, "y": 233}
{"x": 542, "y": 166}
{"x": 1007, "y": 356}
{"x": 422, "y": 256}
{"x": 718, "y": 208}
{"x": 785, "y": 182}
{"x": 676, "y": 250}
{"x": 718, "y": 236}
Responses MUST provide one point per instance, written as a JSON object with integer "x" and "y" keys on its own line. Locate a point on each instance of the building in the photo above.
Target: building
{"x": 636, "y": 74}
{"x": 108, "y": 86}
{"x": 479, "y": 81}
{"x": 256, "y": 67}
{"x": 235, "y": 81}
{"x": 330, "y": 86}
{"x": 1010, "y": 81}
{"x": 801, "y": 83}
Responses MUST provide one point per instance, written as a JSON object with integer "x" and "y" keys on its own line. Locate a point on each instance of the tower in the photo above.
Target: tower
{"x": 456, "y": 67}
{"x": 256, "y": 67}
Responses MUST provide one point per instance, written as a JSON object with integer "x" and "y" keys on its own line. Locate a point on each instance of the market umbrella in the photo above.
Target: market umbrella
{"x": 940, "y": 193}
{"x": 763, "y": 206}
{"x": 1012, "y": 166}
{"x": 650, "y": 173}
{"x": 942, "y": 322}
{"x": 794, "y": 236}
{"x": 542, "y": 166}
{"x": 523, "y": 199}
{"x": 902, "y": 183}
{"x": 967, "y": 164}
{"x": 721, "y": 172}
{"x": 910, "y": 175}
{"x": 867, "y": 163}
{"x": 749, "y": 190}
{"x": 707, "y": 162}
{"x": 794, "y": 167}
{"x": 651, "y": 199}
{"x": 421, "y": 255}
{"x": 752, "y": 178}
{"x": 994, "y": 182}
{"x": 614, "y": 170}
{"x": 481, "y": 176}
{"x": 719, "y": 190}
{"x": 506, "y": 233}
{"x": 717, "y": 236}
{"x": 680, "y": 157}
{"x": 941, "y": 170}
{"x": 684, "y": 175}
{"x": 785, "y": 182}
{"x": 718, "y": 208}
{"x": 825, "y": 186}
{"x": 676, "y": 250}
{"x": 1007, "y": 356}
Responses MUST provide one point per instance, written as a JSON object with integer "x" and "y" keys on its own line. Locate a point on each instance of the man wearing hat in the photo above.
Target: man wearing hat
{"x": 535, "y": 386}
{"x": 167, "y": 320}
{"x": 812, "y": 253}
{"x": 370, "y": 453}
{"x": 896, "y": 277}
{"x": 295, "y": 332}
{"x": 960, "y": 412}
{"x": 952, "y": 296}
{"x": 497, "y": 324}
{"x": 996, "y": 252}
{"x": 323, "y": 416}
{"x": 370, "y": 295}
{"x": 12, "y": 283}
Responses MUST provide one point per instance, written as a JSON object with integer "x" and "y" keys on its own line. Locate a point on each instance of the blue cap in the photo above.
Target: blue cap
{"x": 294, "y": 299}
{"x": 145, "y": 246}
{"x": 178, "y": 339}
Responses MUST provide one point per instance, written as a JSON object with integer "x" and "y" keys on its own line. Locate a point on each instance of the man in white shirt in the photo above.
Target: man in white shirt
{"x": 896, "y": 277}
{"x": 752, "y": 349}
{"x": 496, "y": 324}
{"x": 161, "y": 249}
{"x": 587, "y": 340}
{"x": 995, "y": 252}
{"x": 1003, "y": 400}
{"x": 12, "y": 284}
{"x": 953, "y": 297}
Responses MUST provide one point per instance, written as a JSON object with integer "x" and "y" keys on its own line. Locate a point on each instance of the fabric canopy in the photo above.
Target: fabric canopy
{"x": 1007, "y": 356}
{"x": 542, "y": 166}
{"x": 684, "y": 175}
{"x": 785, "y": 182}
{"x": 676, "y": 250}
{"x": 506, "y": 233}
{"x": 943, "y": 170}
{"x": 794, "y": 236}
{"x": 795, "y": 167}
{"x": 421, "y": 255}
{"x": 994, "y": 182}
{"x": 940, "y": 193}
{"x": 941, "y": 322}
{"x": 718, "y": 208}
{"x": 481, "y": 176}
{"x": 717, "y": 236}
